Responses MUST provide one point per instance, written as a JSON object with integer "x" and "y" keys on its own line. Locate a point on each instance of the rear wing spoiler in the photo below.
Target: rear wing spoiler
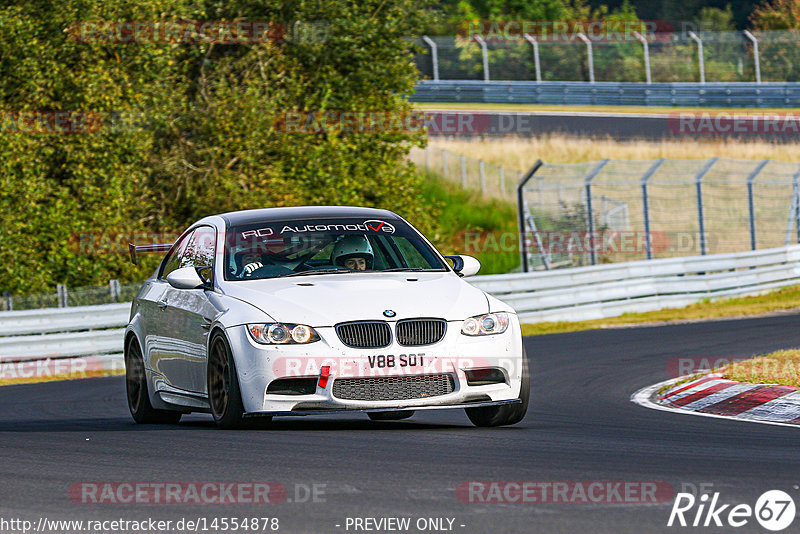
{"x": 136, "y": 249}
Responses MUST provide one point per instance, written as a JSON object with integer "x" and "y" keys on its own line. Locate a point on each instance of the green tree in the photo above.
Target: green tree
{"x": 206, "y": 135}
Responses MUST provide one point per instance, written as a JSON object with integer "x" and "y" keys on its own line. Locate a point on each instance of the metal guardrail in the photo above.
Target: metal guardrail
{"x": 63, "y": 319}
{"x": 601, "y": 291}
{"x": 740, "y": 94}
{"x": 55, "y": 341}
{"x": 63, "y": 345}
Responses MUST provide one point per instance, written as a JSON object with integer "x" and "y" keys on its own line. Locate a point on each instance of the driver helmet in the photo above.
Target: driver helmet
{"x": 352, "y": 246}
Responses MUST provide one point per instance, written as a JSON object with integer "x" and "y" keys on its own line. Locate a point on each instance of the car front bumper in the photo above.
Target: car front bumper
{"x": 258, "y": 365}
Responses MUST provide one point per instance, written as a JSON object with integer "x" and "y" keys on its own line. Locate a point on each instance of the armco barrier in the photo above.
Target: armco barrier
{"x": 62, "y": 333}
{"x": 560, "y": 295}
{"x": 751, "y": 95}
{"x": 609, "y": 290}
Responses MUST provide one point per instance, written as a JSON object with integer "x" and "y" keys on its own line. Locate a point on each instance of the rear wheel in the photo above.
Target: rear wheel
{"x": 224, "y": 395}
{"x": 136, "y": 389}
{"x": 390, "y": 416}
{"x": 509, "y": 414}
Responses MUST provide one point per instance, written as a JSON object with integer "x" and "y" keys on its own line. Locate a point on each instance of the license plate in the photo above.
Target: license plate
{"x": 400, "y": 360}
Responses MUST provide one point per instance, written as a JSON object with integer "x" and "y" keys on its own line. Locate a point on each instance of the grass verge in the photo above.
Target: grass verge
{"x": 784, "y": 299}
{"x": 464, "y": 214}
{"x": 781, "y": 368}
{"x": 520, "y": 153}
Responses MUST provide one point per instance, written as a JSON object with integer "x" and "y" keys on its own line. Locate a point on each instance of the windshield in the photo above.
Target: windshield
{"x": 274, "y": 249}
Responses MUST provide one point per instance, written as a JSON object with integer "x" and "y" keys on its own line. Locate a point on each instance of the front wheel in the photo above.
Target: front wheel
{"x": 509, "y": 414}
{"x": 136, "y": 391}
{"x": 224, "y": 395}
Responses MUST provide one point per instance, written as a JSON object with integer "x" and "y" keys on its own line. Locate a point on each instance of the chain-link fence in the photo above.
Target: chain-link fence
{"x": 65, "y": 296}
{"x": 490, "y": 179}
{"x": 770, "y": 56}
{"x": 612, "y": 210}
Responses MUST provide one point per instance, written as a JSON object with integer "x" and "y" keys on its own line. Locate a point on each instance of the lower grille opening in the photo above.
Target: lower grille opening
{"x": 293, "y": 386}
{"x": 393, "y": 388}
{"x": 485, "y": 377}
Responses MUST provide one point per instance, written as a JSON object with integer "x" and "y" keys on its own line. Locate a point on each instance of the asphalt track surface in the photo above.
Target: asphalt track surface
{"x": 581, "y": 426}
{"x": 703, "y": 124}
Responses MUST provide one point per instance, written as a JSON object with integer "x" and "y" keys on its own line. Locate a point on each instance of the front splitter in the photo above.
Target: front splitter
{"x": 393, "y": 409}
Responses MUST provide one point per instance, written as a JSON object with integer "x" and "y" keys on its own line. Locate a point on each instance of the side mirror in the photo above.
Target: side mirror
{"x": 185, "y": 278}
{"x": 465, "y": 265}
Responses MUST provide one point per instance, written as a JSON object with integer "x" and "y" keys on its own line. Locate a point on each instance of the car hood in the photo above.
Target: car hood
{"x": 324, "y": 300}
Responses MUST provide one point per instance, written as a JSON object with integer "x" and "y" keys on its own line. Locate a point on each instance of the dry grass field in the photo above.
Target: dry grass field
{"x": 519, "y": 153}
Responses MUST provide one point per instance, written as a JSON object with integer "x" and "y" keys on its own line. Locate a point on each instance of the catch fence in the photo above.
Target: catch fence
{"x": 618, "y": 211}
{"x": 685, "y": 56}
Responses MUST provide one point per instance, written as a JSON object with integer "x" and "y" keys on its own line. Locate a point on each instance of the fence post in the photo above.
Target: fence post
{"x": 434, "y": 56}
{"x": 699, "y": 42}
{"x": 588, "y": 42}
{"x": 523, "y": 249}
{"x": 589, "y": 215}
{"x": 113, "y": 286}
{"x": 444, "y": 163}
{"x": 536, "y": 61}
{"x": 698, "y": 182}
{"x": 502, "y": 174}
{"x": 646, "y": 45}
{"x": 541, "y": 194}
{"x": 751, "y": 204}
{"x": 9, "y": 300}
{"x": 427, "y": 157}
{"x": 796, "y": 184}
{"x": 463, "y": 172}
{"x": 61, "y": 292}
{"x": 646, "y": 207}
{"x": 756, "y": 57}
{"x": 485, "y": 55}
{"x": 483, "y": 176}
{"x": 792, "y": 216}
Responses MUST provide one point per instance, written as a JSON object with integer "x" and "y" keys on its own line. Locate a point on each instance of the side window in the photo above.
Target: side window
{"x": 411, "y": 254}
{"x": 200, "y": 252}
{"x": 175, "y": 257}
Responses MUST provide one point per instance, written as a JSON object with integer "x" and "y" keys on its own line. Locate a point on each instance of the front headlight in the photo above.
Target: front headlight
{"x": 484, "y": 325}
{"x": 282, "y": 334}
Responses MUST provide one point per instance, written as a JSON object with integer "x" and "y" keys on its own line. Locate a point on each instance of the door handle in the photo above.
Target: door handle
{"x": 162, "y": 304}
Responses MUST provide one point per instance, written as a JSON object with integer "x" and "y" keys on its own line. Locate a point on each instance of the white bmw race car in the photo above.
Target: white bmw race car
{"x": 318, "y": 310}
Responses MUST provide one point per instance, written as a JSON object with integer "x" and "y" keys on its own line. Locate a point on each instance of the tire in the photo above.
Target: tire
{"x": 137, "y": 392}
{"x": 224, "y": 395}
{"x": 509, "y": 414}
{"x": 390, "y": 416}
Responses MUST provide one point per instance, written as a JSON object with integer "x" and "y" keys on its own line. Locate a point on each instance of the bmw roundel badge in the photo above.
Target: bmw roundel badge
{"x": 389, "y": 313}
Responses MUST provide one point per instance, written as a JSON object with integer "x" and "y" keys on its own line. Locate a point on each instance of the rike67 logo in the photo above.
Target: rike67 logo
{"x": 774, "y": 510}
